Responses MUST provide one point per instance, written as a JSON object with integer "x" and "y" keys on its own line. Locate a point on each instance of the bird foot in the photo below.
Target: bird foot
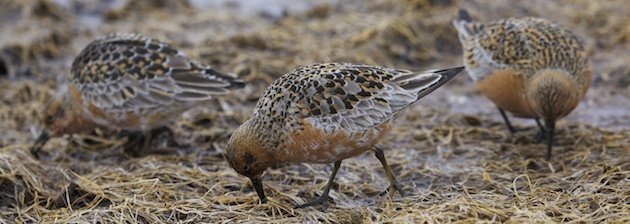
{"x": 394, "y": 187}
{"x": 134, "y": 145}
{"x": 321, "y": 200}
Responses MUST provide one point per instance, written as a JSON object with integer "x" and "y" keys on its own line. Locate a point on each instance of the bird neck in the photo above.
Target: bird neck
{"x": 254, "y": 136}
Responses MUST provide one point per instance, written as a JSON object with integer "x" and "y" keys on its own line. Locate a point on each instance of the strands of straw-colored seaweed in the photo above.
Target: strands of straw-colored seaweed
{"x": 457, "y": 163}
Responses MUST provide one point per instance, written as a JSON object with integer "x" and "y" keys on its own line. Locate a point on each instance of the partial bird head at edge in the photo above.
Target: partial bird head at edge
{"x": 57, "y": 119}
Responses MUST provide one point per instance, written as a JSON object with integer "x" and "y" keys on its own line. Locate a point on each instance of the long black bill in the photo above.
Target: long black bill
{"x": 39, "y": 143}
{"x": 257, "y": 182}
{"x": 551, "y": 129}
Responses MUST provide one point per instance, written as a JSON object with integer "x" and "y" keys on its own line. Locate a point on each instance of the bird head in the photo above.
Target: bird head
{"x": 553, "y": 94}
{"x": 247, "y": 157}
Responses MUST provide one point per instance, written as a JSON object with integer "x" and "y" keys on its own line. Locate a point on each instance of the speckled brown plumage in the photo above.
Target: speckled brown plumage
{"x": 129, "y": 72}
{"x": 528, "y": 66}
{"x": 324, "y": 113}
{"x": 131, "y": 82}
{"x": 526, "y": 45}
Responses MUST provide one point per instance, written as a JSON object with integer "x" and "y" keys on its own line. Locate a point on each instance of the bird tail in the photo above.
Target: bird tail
{"x": 465, "y": 25}
{"x": 426, "y": 82}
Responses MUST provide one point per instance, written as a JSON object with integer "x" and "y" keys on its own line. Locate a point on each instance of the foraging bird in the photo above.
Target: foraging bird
{"x": 324, "y": 113}
{"x": 530, "y": 67}
{"x": 130, "y": 82}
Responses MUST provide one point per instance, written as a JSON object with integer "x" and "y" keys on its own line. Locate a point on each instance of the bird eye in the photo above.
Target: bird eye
{"x": 246, "y": 168}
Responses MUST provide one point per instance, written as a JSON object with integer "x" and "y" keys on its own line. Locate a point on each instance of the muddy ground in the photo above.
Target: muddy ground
{"x": 451, "y": 151}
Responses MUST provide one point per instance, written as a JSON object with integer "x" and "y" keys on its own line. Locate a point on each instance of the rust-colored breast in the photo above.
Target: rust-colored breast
{"x": 107, "y": 119}
{"x": 507, "y": 91}
{"x": 313, "y": 145}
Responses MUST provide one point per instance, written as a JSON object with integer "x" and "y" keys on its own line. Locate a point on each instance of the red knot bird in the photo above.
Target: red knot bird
{"x": 130, "y": 82}
{"x": 530, "y": 67}
{"x": 325, "y": 113}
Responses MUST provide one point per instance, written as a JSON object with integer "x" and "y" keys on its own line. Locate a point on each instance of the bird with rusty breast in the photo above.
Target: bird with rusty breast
{"x": 323, "y": 113}
{"x": 530, "y": 67}
{"x": 130, "y": 82}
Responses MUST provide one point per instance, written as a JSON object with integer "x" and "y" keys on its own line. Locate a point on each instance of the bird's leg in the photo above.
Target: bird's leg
{"x": 324, "y": 198}
{"x": 507, "y": 121}
{"x": 540, "y": 135}
{"x": 393, "y": 184}
{"x": 148, "y": 137}
{"x": 39, "y": 143}
{"x": 551, "y": 129}
{"x": 170, "y": 135}
{"x": 135, "y": 140}
{"x": 140, "y": 141}
{"x": 405, "y": 55}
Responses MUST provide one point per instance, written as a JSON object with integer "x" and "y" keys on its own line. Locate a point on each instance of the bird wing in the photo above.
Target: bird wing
{"x": 128, "y": 72}
{"x": 483, "y": 44}
{"x": 351, "y": 97}
{"x": 524, "y": 45}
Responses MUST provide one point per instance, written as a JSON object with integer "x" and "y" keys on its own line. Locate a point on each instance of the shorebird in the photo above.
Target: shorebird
{"x": 325, "y": 113}
{"x": 530, "y": 67}
{"x": 130, "y": 82}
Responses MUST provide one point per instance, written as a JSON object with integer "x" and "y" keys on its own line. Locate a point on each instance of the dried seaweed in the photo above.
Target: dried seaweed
{"x": 457, "y": 162}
